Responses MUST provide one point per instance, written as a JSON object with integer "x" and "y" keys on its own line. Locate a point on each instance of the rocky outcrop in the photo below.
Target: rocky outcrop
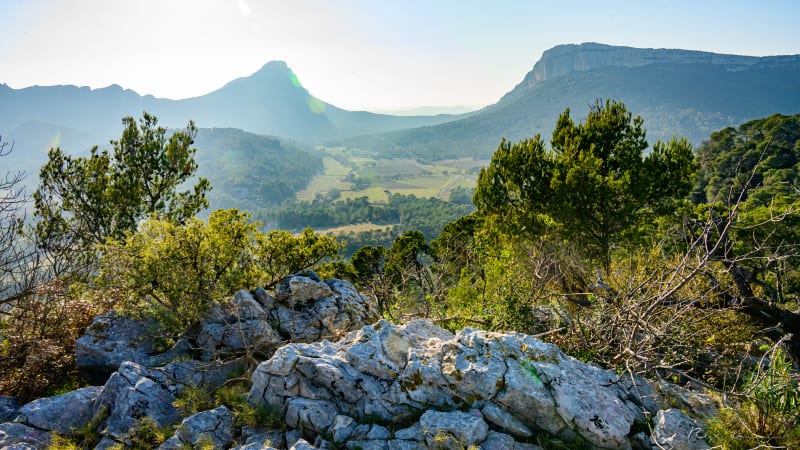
{"x": 382, "y": 386}
{"x": 452, "y": 387}
{"x": 63, "y": 414}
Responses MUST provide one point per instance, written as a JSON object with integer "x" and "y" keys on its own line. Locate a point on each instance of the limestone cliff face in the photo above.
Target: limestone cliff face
{"x": 578, "y": 58}
{"x": 564, "y": 59}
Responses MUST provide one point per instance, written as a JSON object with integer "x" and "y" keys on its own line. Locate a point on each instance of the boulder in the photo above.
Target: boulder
{"x": 394, "y": 373}
{"x": 17, "y": 435}
{"x": 675, "y": 430}
{"x": 134, "y": 392}
{"x": 215, "y": 427}
{"x": 9, "y": 408}
{"x": 110, "y": 340}
{"x": 241, "y": 325}
{"x": 63, "y": 414}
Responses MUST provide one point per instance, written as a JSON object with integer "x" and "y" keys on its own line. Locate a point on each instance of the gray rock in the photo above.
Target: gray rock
{"x": 63, "y": 414}
{"x": 16, "y": 434}
{"x": 399, "y": 444}
{"x": 395, "y": 373}
{"x": 452, "y": 429}
{"x": 675, "y": 430}
{"x": 302, "y": 444}
{"x": 216, "y": 424}
{"x": 378, "y": 432}
{"x": 210, "y": 374}
{"x": 110, "y": 340}
{"x": 131, "y": 393}
{"x": 9, "y": 408}
{"x": 698, "y": 404}
{"x": 106, "y": 444}
{"x": 292, "y": 437}
{"x": 342, "y": 428}
{"x": 233, "y": 328}
{"x": 299, "y": 290}
{"x": 498, "y": 441}
{"x": 263, "y": 297}
{"x": 367, "y": 445}
{"x": 589, "y": 399}
{"x": 412, "y": 433}
{"x": 309, "y": 414}
{"x": 504, "y": 420}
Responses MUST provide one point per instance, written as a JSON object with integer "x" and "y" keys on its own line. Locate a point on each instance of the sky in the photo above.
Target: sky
{"x": 358, "y": 54}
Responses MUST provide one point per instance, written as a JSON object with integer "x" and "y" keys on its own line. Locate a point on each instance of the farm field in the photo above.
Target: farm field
{"x": 351, "y": 174}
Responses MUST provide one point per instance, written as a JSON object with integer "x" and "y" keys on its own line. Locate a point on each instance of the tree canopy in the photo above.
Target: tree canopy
{"x": 81, "y": 201}
{"x": 592, "y": 186}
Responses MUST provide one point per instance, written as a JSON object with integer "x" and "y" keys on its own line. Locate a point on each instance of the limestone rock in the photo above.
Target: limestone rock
{"x": 216, "y": 425}
{"x": 134, "y": 392}
{"x": 675, "y": 430}
{"x": 298, "y": 289}
{"x": 63, "y": 414}
{"x": 498, "y": 441}
{"x": 697, "y": 403}
{"x": 231, "y": 329}
{"x": 395, "y": 373}
{"x": 210, "y": 374}
{"x": 9, "y": 408}
{"x": 17, "y": 435}
{"x": 452, "y": 429}
{"x": 110, "y": 340}
{"x": 306, "y": 310}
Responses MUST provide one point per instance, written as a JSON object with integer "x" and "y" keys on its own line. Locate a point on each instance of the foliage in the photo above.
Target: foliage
{"x": 81, "y": 201}
{"x": 249, "y": 171}
{"x": 593, "y": 187}
{"x": 234, "y": 396}
{"x": 37, "y": 352}
{"x": 146, "y": 434}
{"x": 193, "y": 399}
{"x": 767, "y": 413}
{"x": 408, "y": 212}
{"x": 757, "y": 166}
{"x": 279, "y": 253}
{"x": 173, "y": 273}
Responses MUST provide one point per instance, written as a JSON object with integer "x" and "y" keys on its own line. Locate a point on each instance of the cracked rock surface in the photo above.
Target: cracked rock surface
{"x": 392, "y": 374}
{"x": 214, "y": 426}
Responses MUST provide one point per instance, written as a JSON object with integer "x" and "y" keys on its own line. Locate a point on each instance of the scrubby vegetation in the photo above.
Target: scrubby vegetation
{"x": 668, "y": 263}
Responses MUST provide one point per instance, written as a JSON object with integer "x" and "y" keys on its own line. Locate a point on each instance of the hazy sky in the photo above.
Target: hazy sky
{"x": 358, "y": 54}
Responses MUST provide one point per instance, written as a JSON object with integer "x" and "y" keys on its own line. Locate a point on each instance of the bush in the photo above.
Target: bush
{"x": 37, "y": 351}
{"x": 767, "y": 413}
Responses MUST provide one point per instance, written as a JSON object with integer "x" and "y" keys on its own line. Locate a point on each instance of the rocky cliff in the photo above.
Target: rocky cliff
{"x": 580, "y": 58}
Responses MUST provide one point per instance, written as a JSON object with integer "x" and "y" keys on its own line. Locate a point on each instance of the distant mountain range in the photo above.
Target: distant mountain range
{"x": 689, "y": 93}
{"x": 270, "y": 102}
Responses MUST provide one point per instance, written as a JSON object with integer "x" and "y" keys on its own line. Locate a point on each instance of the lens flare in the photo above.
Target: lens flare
{"x": 56, "y": 140}
{"x": 295, "y": 81}
{"x": 316, "y": 105}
